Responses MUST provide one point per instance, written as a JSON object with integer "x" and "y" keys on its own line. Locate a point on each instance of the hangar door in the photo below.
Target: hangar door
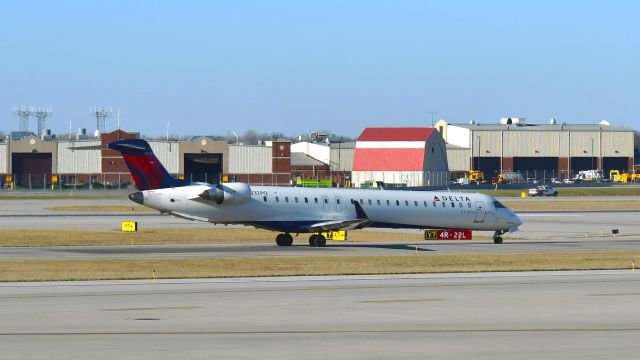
{"x": 585, "y": 163}
{"x": 535, "y": 164}
{"x": 204, "y": 167}
{"x": 490, "y": 166}
{"x": 31, "y": 169}
{"x": 615, "y": 163}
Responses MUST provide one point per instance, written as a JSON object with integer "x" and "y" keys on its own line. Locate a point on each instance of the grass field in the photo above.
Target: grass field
{"x": 57, "y": 270}
{"x": 214, "y": 235}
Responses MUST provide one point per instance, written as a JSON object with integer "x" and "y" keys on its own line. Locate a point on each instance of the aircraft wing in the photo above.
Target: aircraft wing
{"x": 360, "y": 223}
{"x": 340, "y": 225}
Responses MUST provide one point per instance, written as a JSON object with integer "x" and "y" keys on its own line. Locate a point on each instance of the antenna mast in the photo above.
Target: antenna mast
{"x": 41, "y": 113}
{"x": 23, "y": 113}
{"x": 101, "y": 113}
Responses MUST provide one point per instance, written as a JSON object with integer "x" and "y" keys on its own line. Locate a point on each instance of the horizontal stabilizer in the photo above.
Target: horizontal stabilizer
{"x": 89, "y": 147}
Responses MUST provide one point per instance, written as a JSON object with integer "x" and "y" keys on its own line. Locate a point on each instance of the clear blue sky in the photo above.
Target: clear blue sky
{"x": 294, "y": 66}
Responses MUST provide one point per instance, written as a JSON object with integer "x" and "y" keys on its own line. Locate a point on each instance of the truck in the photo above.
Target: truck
{"x": 508, "y": 177}
{"x": 472, "y": 177}
{"x": 589, "y": 176}
{"x": 543, "y": 190}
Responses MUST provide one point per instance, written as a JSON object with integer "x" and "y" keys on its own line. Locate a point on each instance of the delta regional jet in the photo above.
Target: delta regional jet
{"x": 308, "y": 210}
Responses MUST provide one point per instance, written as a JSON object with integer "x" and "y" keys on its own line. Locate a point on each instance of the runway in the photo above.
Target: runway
{"x": 301, "y": 249}
{"x": 564, "y": 315}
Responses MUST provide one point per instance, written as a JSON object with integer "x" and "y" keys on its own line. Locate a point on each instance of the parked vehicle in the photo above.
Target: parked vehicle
{"x": 543, "y": 190}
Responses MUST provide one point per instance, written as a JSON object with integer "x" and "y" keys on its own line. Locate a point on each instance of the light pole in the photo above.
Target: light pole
{"x": 592, "y": 154}
{"x": 478, "y": 169}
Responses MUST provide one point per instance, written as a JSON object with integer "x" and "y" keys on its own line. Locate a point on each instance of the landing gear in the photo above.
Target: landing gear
{"x": 497, "y": 237}
{"x": 317, "y": 240}
{"x": 284, "y": 239}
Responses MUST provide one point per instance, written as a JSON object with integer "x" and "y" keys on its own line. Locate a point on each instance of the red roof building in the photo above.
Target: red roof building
{"x": 411, "y": 156}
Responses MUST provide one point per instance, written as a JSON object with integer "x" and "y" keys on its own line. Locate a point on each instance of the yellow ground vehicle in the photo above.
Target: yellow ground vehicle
{"x": 616, "y": 176}
{"x": 476, "y": 177}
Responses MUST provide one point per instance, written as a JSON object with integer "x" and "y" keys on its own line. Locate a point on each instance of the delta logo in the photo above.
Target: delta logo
{"x": 435, "y": 198}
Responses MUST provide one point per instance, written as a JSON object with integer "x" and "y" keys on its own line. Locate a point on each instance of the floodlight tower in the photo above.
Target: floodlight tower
{"x": 41, "y": 113}
{"x": 101, "y": 113}
{"x": 23, "y": 113}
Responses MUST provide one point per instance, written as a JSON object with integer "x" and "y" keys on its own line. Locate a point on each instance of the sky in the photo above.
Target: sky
{"x": 216, "y": 67}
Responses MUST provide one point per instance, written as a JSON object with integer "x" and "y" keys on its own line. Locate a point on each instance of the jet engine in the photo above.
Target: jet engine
{"x": 228, "y": 193}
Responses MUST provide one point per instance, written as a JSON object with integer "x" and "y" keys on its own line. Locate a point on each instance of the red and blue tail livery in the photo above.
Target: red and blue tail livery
{"x": 146, "y": 169}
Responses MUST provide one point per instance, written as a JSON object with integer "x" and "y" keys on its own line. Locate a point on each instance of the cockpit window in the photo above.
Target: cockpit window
{"x": 498, "y": 205}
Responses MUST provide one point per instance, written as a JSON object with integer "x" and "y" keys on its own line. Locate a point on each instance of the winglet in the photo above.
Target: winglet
{"x": 360, "y": 211}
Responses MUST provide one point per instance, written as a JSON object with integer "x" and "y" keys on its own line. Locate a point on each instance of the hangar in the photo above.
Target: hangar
{"x": 538, "y": 150}
{"x": 405, "y": 156}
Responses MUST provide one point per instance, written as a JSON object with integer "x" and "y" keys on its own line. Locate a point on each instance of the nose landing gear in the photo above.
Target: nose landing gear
{"x": 497, "y": 236}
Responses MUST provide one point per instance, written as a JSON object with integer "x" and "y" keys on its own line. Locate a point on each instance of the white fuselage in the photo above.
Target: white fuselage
{"x": 292, "y": 209}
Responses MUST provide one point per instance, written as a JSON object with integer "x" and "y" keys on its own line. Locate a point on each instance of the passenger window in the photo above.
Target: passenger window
{"x": 369, "y": 200}
{"x": 296, "y": 198}
{"x": 469, "y": 205}
{"x": 425, "y": 203}
{"x": 453, "y": 204}
{"x": 286, "y": 199}
{"x": 338, "y": 201}
{"x": 264, "y": 198}
{"x": 326, "y": 201}
{"x": 378, "y": 202}
{"x": 406, "y": 203}
{"x": 460, "y": 204}
{"x": 361, "y": 202}
{"x": 306, "y": 200}
{"x": 397, "y": 203}
{"x": 416, "y": 203}
{"x": 434, "y": 204}
{"x": 316, "y": 199}
{"x": 444, "y": 204}
{"x": 277, "y": 199}
{"x": 388, "y": 203}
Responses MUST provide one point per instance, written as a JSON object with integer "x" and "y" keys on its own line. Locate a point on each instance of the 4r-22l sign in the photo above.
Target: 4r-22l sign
{"x": 448, "y": 235}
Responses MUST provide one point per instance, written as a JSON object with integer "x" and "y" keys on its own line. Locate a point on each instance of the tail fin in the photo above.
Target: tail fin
{"x": 146, "y": 169}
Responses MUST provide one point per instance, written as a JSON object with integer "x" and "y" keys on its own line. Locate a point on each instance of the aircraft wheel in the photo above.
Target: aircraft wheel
{"x": 284, "y": 240}
{"x": 497, "y": 240}
{"x": 289, "y": 239}
{"x": 321, "y": 241}
{"x": 312, "y": 240}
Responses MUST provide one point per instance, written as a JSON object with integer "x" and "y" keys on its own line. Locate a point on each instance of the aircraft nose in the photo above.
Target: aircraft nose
{"x": 137, "y": 197}
{"x": 516, "y": 219}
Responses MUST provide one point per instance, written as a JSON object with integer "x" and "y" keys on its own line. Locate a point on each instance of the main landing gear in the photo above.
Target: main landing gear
{"x": 284, "y": 239}
{"x": 314, "y": 240}
{"x": 497, "y": 237}
{"x": 317, "y": 240}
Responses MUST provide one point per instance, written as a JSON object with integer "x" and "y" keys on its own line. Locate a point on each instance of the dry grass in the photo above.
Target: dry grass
{"x": 55, "y": 270}
{"x": 552, "y": 204}
{"x": 103, "y": 208}
{"x": 214, "y": 235}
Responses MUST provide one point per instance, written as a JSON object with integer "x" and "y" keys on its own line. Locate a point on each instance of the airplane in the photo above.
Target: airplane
{"x": 295, "y": 210}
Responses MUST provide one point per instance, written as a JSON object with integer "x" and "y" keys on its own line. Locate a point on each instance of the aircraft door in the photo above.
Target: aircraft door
{"x": 338, "y": 204}
{"x": 325, "y": 203}
{"x": 479, "y": 212}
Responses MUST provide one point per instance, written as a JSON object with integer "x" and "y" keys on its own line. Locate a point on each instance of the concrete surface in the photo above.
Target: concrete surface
{"x": 567, "y": 315}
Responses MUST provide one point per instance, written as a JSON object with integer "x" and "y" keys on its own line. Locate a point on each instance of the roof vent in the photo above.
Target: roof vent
{"x": 471, "y": 122}
{"x": 552, "y": 121}
{"x": 513, "y": 121}
{"x": 605, "y": 123}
